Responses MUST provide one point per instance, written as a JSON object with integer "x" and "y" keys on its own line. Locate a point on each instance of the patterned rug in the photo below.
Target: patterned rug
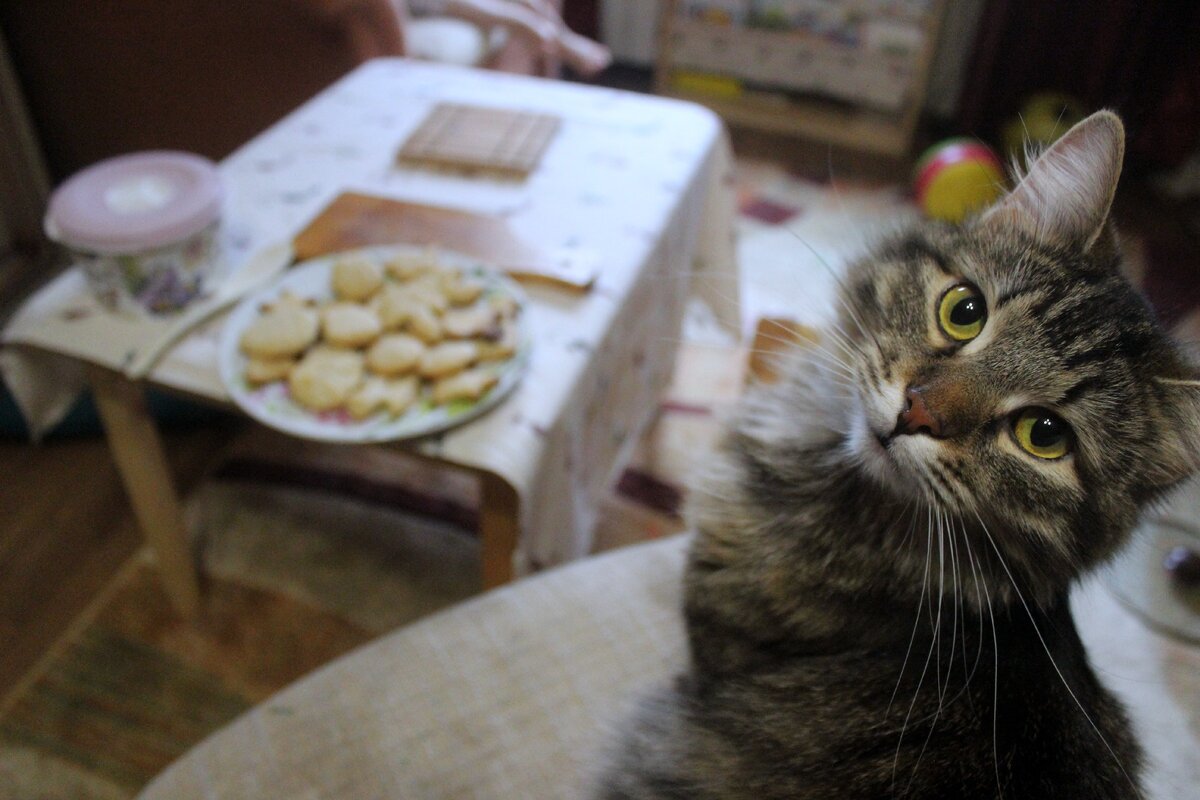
{"x": 294, "y": 578}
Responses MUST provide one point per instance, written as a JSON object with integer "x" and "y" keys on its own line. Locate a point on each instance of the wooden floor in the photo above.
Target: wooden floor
{"x": 65, "y": 531}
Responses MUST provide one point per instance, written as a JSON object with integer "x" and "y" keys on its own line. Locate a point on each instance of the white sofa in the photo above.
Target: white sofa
{"x": 512, "y": 695}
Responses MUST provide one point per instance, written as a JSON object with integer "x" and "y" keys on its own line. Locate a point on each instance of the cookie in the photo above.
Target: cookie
{"x": 325, "y": 377}
{"x": 428, "y": 291}
{"x": 424, "y": 324}
{"x": 407, "y": 266}
{"x": 395, "y": 354}
{"x": 501, "y": 347}
{"x": 288, "y": 299}
{"x": 400, "y": 394}
{"x": 505, "y": 305}
{"x": 268, "y": 370}
{"x": 467, "y": 385}
{"x": 367, "y": 398}
{"x": 356, "y": 278}
{"x": 394, "y": 306}
{"x": 447, "y": 358}
{"x": 349, "y": 325}
{"x": 395, "y": 333}
{"x": 286, "y": 328}
{"x": 396, "y": 396}
{"x": 474, "y": 321}
{"x": 461, "y": 291}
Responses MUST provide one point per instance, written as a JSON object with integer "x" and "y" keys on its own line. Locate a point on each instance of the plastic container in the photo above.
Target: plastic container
{"x": 142, "y": 226}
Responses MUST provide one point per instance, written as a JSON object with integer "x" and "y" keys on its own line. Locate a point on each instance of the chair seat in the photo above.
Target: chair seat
{"x": 514, "y": 694}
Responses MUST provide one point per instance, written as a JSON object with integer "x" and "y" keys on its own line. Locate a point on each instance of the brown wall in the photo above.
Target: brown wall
{"x": 103, "y": 78}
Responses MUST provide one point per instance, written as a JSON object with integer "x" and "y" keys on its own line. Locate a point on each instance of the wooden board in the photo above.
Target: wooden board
{"x": 475, "y": 138}
{"x": 358, "y": 220}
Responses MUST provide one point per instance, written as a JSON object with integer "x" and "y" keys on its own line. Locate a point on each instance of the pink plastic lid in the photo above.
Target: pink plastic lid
{"x": 135, "y": 202}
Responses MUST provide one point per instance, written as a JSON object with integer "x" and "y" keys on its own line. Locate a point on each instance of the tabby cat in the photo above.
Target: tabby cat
{"x": 876, "y": 598}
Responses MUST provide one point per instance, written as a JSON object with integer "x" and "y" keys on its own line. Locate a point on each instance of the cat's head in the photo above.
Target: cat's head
{"x": 1008, "y": 374}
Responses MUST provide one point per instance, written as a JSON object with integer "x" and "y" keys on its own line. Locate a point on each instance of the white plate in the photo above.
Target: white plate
{"x": 272, "y": 404}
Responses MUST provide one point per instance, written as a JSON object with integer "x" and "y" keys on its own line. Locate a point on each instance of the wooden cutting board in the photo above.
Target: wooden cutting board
{"x": 357, "y": 220}
{"x": 473, "y": 138}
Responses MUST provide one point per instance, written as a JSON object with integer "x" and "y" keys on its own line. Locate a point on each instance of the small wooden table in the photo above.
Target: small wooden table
{"x": 636, "y": 182}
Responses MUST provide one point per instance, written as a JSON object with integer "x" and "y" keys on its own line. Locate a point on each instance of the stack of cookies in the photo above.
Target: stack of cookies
{"x": 397, "y": 330}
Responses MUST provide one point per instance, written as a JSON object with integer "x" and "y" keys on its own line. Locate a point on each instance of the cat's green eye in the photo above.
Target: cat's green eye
{"x": 1042, "y": 433}
{"x": 962, "y": 312}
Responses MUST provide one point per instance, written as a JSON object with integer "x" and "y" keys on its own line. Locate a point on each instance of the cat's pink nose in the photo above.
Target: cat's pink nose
{"x": 916, "y": 416}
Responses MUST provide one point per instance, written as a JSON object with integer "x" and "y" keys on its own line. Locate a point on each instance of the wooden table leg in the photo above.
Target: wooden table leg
{"x": 499, "y": 527}
{"x": 138, "y": 451}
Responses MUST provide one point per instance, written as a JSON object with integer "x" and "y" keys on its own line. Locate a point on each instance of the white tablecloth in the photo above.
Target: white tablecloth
{"x": 641, "y": 184}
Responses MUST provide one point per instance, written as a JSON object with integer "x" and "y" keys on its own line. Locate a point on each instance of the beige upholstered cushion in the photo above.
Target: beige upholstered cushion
{"x": 511, "y": 695}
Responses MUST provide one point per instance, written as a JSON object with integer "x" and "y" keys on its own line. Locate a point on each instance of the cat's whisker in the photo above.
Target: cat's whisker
{"x": 934, "y": 492}
{"x": 845, "y": 369}
{"x": 791, "y": 345}
{"x": 841, "y": 295}
{"x": 680, "y": 340}
{"x": 843, "y": 342}
{"x": 937, "y": 625}
{"x": 1049, "y": 655}
{"x": 842, "y": 352}
{"x": 945, "y": 486}
{"x": 820, "y": 355}
{"x": 911, "y": 505}
{"x": 995, "y": 693}
{"x": 715, "y": 286}
{"x": 832, "y": 331}
{"x": 849, "y": 369}
{"x": 928, "y": 656}
{"x": 795, "y": 348}
{"x": 976, "y": 573}
{"x": 942, "y": 520}
{"x": 866, "y": 331}
{"x": 778, "y": 353}
{"x": 969, "y": 671}
{"x": 955, "y": 596}
{"x": 916, "y": 623}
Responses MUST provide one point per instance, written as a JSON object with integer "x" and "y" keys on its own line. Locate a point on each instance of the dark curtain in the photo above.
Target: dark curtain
{"x": 582, "y": 16}
{"x": 1140, "y": 58}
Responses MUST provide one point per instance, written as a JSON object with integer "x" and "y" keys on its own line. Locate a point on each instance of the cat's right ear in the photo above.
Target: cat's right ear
{"x": 1065, "y": 197}
{"x": 1179, "y": 454}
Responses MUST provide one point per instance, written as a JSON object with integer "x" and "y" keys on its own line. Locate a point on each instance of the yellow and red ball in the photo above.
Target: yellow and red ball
{"x": 956, "y": 178}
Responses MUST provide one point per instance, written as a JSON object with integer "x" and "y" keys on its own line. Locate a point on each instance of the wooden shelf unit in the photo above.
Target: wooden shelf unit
{"x": 783, "y": 110}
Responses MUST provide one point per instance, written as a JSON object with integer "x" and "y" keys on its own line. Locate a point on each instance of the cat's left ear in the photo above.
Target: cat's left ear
{"x": 1065, "y": 197}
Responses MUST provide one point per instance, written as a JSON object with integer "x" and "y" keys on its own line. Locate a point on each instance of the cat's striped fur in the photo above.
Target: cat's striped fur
{"x": 880, "y": 612}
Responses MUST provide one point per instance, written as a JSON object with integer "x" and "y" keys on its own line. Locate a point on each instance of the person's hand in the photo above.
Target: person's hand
{"x": 539, "y": 22}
